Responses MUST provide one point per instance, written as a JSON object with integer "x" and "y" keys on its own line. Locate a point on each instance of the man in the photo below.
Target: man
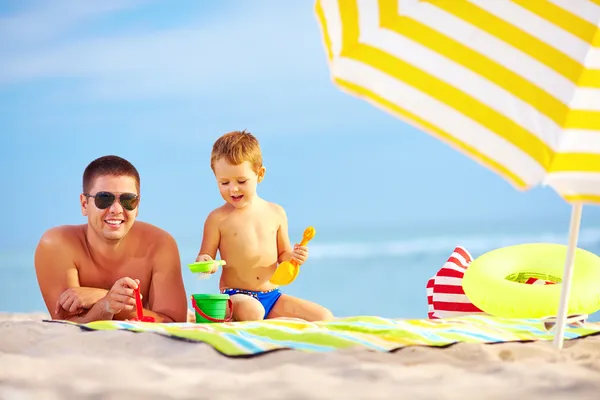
{"x": 89, "y": 272}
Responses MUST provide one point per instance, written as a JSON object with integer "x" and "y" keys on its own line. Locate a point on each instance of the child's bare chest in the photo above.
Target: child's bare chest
{"x": 249, "y": 231}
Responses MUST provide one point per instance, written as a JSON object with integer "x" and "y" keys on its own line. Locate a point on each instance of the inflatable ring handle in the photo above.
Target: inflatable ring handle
{"x": 227, "y": 318}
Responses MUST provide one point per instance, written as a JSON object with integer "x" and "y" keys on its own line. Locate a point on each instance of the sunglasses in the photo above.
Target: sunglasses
{"x": 103, "y": 200}
{"x": 572, "y": 321}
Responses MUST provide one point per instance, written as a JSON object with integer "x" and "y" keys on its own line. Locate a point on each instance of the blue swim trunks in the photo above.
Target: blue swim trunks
{"x": 267, "y": 299}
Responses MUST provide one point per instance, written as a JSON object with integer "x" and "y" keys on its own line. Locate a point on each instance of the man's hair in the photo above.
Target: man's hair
{"x": 237, "y": 147}
{"x": 109, "y": 165}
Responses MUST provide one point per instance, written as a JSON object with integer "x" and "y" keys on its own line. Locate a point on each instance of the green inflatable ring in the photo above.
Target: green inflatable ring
{"x": 494, "y": 282}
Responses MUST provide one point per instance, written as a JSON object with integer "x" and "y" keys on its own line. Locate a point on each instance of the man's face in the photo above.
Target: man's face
{"x": 237, "y": 183}
{"x": 113, "y": 222}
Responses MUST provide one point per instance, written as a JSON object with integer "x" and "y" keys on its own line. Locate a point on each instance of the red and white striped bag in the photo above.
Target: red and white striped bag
{"x": 445, "y": 295}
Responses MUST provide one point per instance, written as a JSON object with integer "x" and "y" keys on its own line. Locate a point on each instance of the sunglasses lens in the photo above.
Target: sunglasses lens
{"x": 129, "y": 201}
{"x": 104, "y": 200}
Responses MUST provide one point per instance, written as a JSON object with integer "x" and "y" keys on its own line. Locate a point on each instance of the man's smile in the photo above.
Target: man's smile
{"x": 114, "y": 222}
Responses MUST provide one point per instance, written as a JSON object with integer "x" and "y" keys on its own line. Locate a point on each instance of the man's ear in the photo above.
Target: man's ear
{"x": 261, "y": 174}
{"x": 84, "y": 204}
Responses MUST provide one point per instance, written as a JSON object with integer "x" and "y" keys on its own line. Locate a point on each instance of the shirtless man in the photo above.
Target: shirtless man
{"x": 251, "y": 235}
{"x": 89, "y": 272}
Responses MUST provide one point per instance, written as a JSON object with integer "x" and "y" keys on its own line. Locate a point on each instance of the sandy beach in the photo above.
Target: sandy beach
{"x": 52, "y": 361}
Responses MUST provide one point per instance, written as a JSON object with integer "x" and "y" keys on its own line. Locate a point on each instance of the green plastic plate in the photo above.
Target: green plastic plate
{"x": 202, "y": 267}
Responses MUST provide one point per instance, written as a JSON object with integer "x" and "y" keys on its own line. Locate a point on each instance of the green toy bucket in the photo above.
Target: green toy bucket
{"x": 212, "y": 308}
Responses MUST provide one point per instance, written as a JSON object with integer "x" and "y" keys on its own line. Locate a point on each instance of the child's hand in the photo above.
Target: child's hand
{"x": 300, "y": 254}
{"x": 203, "y": 257}
{"x": 206, "y": 257}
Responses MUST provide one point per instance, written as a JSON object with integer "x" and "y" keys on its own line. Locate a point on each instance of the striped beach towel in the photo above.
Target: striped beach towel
{"x": 368, "y": 332}
{"x": 445, "y": 295}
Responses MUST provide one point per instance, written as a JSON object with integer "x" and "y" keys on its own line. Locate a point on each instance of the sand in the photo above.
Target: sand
{"x": 41, "y": 360}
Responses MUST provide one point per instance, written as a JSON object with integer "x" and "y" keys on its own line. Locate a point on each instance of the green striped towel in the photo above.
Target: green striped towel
{"x": 374, "y": 333}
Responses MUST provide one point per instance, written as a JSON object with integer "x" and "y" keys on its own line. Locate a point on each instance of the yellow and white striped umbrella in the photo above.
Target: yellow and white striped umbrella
{"x": 513, "y": 84}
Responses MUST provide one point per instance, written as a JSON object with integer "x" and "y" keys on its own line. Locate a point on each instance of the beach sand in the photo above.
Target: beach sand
{"x": 41, "y": 360}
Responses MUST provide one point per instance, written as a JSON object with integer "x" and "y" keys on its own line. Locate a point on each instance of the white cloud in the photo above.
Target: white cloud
{"x": 43, "y": 21}
{"x": 278, "y": 42}
{"x": 261, "y": 66}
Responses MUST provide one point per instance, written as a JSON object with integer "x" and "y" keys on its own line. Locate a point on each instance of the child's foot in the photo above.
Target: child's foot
{"x": 191, "y": 316}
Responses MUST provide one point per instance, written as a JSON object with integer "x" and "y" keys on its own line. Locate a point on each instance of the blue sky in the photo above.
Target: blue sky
{"x": 157, "y": 82}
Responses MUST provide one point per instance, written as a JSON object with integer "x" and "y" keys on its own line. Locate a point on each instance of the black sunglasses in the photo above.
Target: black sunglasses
{"x": 103, "y": 200}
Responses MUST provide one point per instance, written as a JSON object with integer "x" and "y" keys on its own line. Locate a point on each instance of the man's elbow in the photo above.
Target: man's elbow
{"x": 163, "y": 318}
{"x": 180, "y": 315}
{"x": 172, "y": 317}
{"x": 173, "y": 314}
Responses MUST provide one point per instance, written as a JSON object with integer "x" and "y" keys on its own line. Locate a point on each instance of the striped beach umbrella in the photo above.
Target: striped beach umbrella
{"x": 514, "y": 85}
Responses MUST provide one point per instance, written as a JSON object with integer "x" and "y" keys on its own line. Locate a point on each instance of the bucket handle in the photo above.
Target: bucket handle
{"x": 227, "y": 318}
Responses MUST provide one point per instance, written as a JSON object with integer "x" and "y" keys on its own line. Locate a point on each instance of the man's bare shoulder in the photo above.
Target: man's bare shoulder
{"x": 150, "y": 233}
{"x": 157, "y": 242}
{"x": 64, "y": 242}
{"x": 64, "y": 235}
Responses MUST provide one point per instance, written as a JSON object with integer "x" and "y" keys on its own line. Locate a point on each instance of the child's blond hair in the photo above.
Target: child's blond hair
{"x": 237, "y": 147}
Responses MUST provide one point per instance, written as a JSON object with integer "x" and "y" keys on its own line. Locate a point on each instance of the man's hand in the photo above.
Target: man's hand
{"x": 300, "y": 254}
{"x": 121, "y": 296}
{"x": 62, "y": 314}
{"x": 75, "y": 300}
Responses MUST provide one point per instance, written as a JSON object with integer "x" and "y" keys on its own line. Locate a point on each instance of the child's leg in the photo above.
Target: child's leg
{"x": 247, "y": 308}
{"x": 293, "y": 307}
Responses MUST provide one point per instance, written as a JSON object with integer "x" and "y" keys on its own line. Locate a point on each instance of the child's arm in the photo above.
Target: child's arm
{"x": 284, "y": 247}
{"x": 210, "y": 238}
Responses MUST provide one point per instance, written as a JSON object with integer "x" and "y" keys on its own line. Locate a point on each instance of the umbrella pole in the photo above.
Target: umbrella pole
{"x": 567, "y": 276}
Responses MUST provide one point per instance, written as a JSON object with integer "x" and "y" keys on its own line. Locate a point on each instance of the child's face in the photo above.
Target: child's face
{"x": 237, "y": 183}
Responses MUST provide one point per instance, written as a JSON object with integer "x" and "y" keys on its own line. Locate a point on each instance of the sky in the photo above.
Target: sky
{"x": 157, "y": 82}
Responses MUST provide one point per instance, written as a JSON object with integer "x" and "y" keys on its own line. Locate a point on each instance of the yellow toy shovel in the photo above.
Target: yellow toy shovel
{"x": 287, "y": 271}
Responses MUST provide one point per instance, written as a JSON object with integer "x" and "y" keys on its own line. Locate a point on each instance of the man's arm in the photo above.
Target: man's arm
{"x": 74, "y": 300}
{"x": 167, "y": 297}
{"x": 284, "y": 247}
{"x": 211, "y": 235}
{"x": 55, "y": 268}
{"x": 98, "y": 312}
{"x": 56, "y": 272}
